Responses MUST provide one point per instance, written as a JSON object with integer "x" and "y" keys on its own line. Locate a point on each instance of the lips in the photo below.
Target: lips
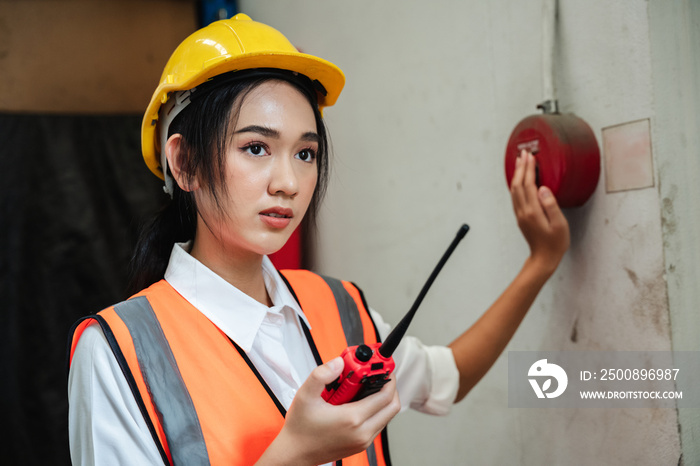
{"x": 277, "y": 217}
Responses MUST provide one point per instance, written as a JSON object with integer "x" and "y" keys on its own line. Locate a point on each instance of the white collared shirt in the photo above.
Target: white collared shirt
{"x": 271, "y": 337}
{"x": 105, "y": 422}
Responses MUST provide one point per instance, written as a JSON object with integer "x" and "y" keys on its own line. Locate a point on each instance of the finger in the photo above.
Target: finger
{"x": 528, "y": 209}
{"x": 323, "y": 375}
{"x": 375, "y": 402}
{"x": 516, "y": 185}
{"x": 519, "y": 172}
{"x": 550, "y": 206}
{"x": 381, "y": 407}
{"x": 530, "y": 181}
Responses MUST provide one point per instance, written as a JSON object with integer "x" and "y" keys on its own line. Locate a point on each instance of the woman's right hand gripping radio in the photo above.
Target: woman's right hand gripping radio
{"x": 318, "y": 432}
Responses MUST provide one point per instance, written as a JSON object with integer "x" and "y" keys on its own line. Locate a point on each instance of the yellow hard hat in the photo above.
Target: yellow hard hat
{"x": 232, "y": 44}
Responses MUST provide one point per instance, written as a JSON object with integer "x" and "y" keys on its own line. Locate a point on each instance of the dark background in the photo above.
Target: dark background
{"x": 74, "y": 191}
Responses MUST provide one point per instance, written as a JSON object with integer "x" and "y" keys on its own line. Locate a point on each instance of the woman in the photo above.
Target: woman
{"x": 221, "y": 359}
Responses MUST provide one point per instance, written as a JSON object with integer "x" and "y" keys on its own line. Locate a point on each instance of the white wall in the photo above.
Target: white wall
{"x": 434, "y": 90}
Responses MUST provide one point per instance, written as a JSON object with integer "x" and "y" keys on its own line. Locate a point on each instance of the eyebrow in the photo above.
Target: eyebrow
{"x": 309, "y": 136}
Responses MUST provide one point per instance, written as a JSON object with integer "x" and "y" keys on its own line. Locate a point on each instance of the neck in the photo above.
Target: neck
{"x": 241, "y": 269}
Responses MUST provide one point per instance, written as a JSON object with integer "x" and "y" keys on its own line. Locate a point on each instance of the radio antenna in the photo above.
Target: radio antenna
{"x": 394, "y": 338}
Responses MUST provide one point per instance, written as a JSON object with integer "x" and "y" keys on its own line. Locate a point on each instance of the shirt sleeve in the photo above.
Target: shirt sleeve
{"x": 427, "y": 377}
{"x": 105, "y": 425}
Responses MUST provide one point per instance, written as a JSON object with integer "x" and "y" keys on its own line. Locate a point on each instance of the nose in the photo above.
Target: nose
{"x": 283, "y": 178}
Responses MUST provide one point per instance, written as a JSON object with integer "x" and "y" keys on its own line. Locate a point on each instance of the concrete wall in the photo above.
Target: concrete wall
{"x": 675, "y": 50}
{"x": 433, "y": 92}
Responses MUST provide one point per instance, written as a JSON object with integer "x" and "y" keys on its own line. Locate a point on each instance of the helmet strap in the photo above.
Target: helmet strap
{"x": 177, "y": 102}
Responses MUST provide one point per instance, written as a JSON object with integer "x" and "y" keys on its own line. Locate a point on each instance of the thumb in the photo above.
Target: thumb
{"x": 550, "y": 205}
{"x": 325, "y": 374}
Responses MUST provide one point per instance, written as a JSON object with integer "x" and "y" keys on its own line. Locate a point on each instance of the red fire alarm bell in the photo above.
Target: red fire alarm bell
{"x": 568, "y": 159}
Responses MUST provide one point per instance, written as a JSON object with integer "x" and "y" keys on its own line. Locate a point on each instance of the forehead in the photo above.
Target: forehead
{"x": 277, "y": 104}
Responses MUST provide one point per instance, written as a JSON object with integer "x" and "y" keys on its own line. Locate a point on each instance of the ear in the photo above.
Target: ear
{"x": 175, "y": 162}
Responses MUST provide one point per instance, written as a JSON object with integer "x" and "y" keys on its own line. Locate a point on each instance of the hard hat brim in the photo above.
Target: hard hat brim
{"x": 330, "y": 76}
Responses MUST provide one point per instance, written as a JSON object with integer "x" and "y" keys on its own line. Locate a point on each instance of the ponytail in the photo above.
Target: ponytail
{"x": 175, "y": 223}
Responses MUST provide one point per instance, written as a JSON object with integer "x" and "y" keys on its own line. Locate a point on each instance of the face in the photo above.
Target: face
{"x": 270, "y": 171}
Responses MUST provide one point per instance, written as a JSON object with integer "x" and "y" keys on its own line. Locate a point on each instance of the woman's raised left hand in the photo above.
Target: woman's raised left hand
{"x": 539, "y": 217}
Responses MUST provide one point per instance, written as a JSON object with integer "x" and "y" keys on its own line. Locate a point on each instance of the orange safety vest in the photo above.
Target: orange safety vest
{"x": 203, "y": 400}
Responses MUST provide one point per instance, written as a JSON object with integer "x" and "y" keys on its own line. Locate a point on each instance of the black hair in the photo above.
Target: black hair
{"x": 206, "y": 125}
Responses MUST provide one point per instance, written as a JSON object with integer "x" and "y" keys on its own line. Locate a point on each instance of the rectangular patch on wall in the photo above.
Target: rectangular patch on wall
{"x": 628, "y": 157}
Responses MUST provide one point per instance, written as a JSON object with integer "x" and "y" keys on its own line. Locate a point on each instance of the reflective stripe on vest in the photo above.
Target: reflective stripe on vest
{"x": 349, "y": 315}
{"x": 172, "y": 401}
{"x": 190, "y": 402}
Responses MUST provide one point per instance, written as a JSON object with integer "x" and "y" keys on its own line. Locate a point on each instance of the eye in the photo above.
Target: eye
{"x": 306, "y": 155}
{"x": 255, "y": 149}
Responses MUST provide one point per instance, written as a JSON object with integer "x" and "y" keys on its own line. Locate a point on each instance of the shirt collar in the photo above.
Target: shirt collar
{"x": 237, "y": 315}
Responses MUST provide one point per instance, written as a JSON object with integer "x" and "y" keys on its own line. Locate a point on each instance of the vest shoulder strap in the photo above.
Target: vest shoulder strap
{"x": 77, "y": 330}
{"x": 315, "y": 293}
